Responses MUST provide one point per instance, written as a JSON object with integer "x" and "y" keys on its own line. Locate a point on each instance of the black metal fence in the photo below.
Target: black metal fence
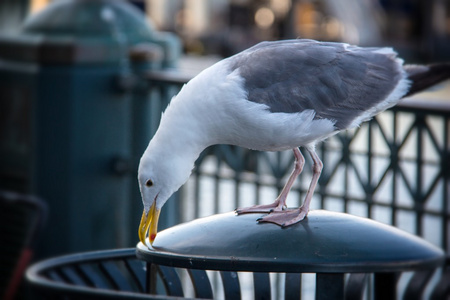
{"x": 394, "y": 169}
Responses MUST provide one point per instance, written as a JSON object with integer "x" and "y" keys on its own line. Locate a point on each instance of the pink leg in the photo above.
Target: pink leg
{"x": 280, "y": 202}
{"x": 290, "y": 217}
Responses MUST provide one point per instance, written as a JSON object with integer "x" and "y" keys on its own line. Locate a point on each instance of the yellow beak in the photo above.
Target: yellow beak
{"x": 149, "y": 224}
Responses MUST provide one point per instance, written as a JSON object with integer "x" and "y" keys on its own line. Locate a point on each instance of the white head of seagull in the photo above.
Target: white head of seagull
{"x": 165, "y": 166}
{"x": 271, "y": 97}
{"x": 159, "y": 177}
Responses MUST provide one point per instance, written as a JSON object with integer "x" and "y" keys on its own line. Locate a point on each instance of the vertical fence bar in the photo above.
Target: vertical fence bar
{"x": 346, "y": 158}
{"x": 293, "y": 286}
{"x": 322, "y": 182}
{"x": 418, "y": 202}
{"x": 152, "y": 273}
{"x": 197, "y": 196}
{"x": 217, "y": 185}
{"x": 394, "y": 168}
{"x": 257, "y": 180}
{"x": 329, "y": 286}
{"x": 385, "y": 286}
{"x": 445, "y": 161}
{"x": 237, "y": 183}
{"x": 369, "y": 197}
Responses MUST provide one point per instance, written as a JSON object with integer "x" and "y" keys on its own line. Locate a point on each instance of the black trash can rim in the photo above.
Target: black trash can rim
{"x": 37, "y": 280}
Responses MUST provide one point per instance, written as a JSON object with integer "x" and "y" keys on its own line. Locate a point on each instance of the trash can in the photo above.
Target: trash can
{"x": 66, "y": 117}
{"x": 351, "y": 257}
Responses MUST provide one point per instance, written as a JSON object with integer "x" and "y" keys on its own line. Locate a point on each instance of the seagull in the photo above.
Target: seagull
{"x": 274, "y": 96}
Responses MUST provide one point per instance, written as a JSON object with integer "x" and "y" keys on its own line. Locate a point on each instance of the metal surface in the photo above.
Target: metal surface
{"x": 325, "y": 242}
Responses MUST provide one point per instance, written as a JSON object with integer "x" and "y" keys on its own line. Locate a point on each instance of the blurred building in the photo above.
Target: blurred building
{"x": 419, "y": 29}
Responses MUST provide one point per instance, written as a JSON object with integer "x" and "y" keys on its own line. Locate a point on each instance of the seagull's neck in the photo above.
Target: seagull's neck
{"x": 180, "y": 133}
{"x": 190, "y": 123}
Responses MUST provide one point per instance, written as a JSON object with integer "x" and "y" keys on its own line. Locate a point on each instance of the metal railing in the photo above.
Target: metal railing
{"x": 394, "y": 169}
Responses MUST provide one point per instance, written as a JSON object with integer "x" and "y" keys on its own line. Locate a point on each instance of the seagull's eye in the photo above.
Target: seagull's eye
{"x": 149, "y": 183}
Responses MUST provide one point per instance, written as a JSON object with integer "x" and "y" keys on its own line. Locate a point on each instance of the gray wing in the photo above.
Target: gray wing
{"x": 340, "y": 82}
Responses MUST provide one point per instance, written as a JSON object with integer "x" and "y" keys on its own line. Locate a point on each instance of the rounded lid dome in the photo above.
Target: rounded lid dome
{"x": 323, "y": 242}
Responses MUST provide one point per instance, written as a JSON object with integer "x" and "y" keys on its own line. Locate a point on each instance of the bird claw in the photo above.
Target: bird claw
{"x": 285, "y": 218}
{"x": 269, "y": 208}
